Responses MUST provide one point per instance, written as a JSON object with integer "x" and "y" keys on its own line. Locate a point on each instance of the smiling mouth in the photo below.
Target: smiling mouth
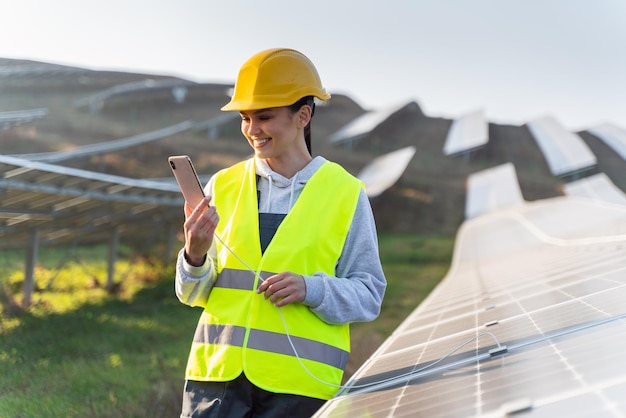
{"x": 258, "y": 143}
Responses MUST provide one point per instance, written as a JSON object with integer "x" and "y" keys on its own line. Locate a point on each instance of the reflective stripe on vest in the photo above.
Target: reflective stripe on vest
{"x": 241, "y": 331}
{"x": 271, "y": 342}
{"x": 237, "y": 279}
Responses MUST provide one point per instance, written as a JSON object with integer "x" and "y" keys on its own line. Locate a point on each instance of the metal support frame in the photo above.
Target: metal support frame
{"x": 29, "y": 270}
{"x": 113, "y": 251}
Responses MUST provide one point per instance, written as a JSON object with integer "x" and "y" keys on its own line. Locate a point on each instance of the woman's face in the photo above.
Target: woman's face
{"x": 273, "y": 133}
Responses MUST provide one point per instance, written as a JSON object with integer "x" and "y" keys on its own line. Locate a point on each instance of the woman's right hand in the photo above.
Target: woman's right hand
{"x": 199, "y": 227}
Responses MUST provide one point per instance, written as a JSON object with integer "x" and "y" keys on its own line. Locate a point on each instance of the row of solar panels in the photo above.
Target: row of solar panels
{"x": 498, "y": 188}
{"x": 64, "y": 203}
{"x": 565, "y": 152}
{"x": 530, "y": 319}
{"x": 61, "y": 202}
{"x": 18, "y": 117}
{"x": 177, "y": 87}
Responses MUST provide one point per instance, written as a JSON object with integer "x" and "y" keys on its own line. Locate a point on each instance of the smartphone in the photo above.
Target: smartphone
{"x": 187, "y": 179}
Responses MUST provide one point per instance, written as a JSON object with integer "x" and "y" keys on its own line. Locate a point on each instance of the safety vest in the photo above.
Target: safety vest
{"x": 239, "y": 330}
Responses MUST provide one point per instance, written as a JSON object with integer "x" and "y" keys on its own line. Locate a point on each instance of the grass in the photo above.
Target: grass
{"x": 81, "y": 351}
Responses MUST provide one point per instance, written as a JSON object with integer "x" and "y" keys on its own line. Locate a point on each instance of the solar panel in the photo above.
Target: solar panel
{"x": 363, "y": 125}
{"x": 109, "y": 146}
{"x": 130, "y": 88}
{"x": 529, "y": 319}
{"x": 16, "y": 68}
{"x": 564, "y": 151}
{"x": 466, "y": 133}
{"x": 213, "y": 125}
{"x": 613, "y": 135}
{"x": 492, "y": 189}
{"x": 16, "y": 117}
{"x": 384, "y": 171}
{"x": 599, "y": 187}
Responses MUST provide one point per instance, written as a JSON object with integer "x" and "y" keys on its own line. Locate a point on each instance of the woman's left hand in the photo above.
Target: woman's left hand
{"x": 284, "y": 288}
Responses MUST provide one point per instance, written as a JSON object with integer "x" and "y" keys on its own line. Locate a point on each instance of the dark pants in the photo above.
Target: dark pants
{"x": 239, "y": 398}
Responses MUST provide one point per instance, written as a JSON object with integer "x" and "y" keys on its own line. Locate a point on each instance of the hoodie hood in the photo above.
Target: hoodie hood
{"x": 278, "y": 193}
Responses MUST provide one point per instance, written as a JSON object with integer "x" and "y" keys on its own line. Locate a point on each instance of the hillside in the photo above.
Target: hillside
{"x": 428, "y": 199}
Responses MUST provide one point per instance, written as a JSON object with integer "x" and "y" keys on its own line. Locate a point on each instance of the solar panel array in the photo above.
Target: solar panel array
{"x": 530, "y": 318}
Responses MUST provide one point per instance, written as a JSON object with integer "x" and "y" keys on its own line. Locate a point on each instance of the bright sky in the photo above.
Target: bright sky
{"x": 516, "y": 59}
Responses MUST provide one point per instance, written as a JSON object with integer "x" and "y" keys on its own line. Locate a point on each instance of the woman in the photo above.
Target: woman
{"x": 294, "y": 260}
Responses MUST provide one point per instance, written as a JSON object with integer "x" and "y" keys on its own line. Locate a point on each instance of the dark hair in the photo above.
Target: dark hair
{"x": 307, "y": 100}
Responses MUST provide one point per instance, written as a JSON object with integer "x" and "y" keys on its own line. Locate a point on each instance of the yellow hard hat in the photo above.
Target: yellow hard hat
{"x": 274, "y": 78}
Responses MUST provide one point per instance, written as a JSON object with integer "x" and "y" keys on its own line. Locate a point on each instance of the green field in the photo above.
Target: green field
{"x": 81, "y": 351}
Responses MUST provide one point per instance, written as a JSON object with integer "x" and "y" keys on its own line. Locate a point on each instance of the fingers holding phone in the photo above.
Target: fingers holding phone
{"x": 199, "y": 227}
{"x": 200, "y": 217}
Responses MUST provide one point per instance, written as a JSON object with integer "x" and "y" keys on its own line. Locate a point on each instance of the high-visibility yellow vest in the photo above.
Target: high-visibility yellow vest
{"x": 241, "y": 331}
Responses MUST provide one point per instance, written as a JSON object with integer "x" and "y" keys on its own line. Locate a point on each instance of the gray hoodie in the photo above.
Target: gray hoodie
{"x": 354, "y": 294}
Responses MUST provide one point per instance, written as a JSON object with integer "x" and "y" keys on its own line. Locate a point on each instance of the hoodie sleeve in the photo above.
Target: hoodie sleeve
{"x": 193, "y": 284}
{"x": 356, "y": 293}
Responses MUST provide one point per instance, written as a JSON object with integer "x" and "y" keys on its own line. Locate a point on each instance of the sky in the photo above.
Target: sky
{"x": 516, "y": 60}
